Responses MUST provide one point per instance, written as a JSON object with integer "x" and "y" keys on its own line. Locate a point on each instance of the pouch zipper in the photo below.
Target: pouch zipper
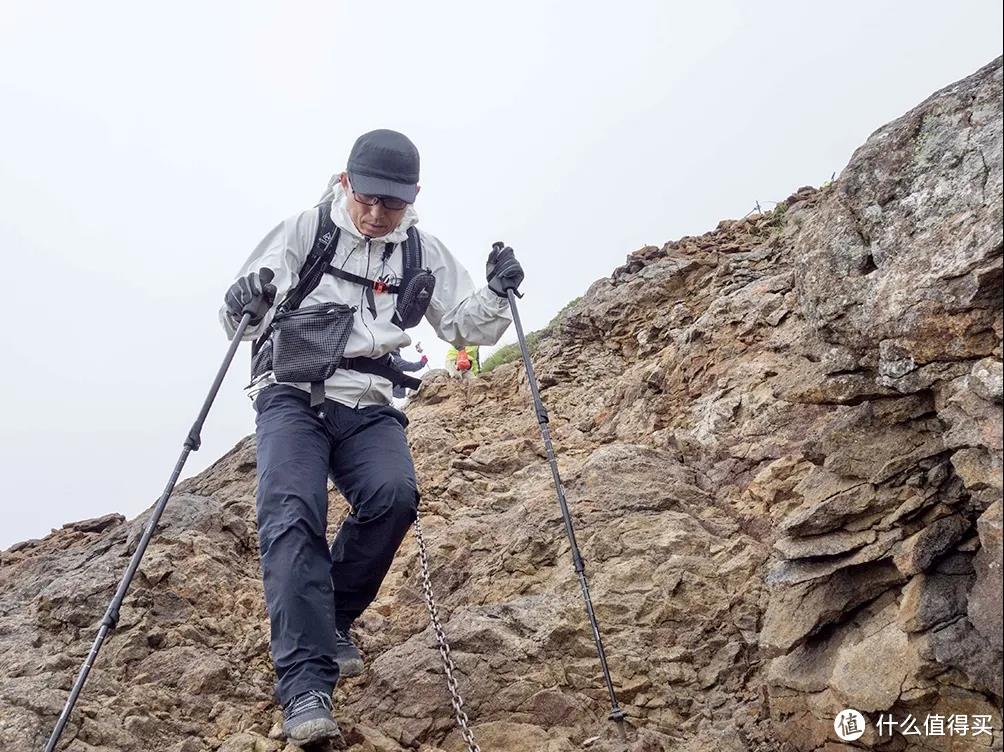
{"x": 327, "y": 308}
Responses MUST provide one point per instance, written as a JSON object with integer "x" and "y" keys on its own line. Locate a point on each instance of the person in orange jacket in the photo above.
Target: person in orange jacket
{"x": 463, "y": 362}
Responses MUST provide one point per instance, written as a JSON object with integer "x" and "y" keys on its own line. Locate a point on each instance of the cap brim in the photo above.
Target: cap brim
{"x": 382, "y": 187}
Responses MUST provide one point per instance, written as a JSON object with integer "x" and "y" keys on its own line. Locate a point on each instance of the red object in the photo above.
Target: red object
{"x": 425, "y": 359}
{"x": 380, "y": 286}
{"x": 463, "y": 361}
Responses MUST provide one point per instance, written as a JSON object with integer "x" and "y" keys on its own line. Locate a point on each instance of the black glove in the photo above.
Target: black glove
{"x": 503, "y": 270}
{"x": 251, "y": 294}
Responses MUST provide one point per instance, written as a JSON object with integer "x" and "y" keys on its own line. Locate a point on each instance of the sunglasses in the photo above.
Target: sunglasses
{"x": 389, "y": 202}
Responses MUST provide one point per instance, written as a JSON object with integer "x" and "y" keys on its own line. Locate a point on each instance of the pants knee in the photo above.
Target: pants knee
{"x": 289, "y": 498}
{"x": 293, "y": 546}
{"x": 395, "y": 498}
{"x": 290, "y": 524}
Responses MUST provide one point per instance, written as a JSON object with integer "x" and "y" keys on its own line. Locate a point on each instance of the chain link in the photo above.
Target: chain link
{"x": 463, "y": 722}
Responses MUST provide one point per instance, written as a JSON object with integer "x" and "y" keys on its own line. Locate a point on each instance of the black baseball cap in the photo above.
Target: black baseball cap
{"x": 384, "y": 163}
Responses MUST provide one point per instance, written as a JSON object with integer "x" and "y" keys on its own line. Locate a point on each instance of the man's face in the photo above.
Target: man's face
{"x": 372, "y": 221}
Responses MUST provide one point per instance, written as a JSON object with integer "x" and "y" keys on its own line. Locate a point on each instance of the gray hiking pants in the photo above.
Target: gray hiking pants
{"x": 309, "y": 588}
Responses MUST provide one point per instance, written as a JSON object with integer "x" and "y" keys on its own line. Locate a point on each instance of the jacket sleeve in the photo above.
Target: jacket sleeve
{"x": 406, "y": 365}
{"x": 283, "y": 251}
{"x": 460, "y": 313}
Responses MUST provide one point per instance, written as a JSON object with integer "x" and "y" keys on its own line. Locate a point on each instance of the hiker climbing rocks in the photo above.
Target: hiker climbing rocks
{"x": 337, "y": 286}
{"x": 463, "y": 362}
{"x": 400, "y": 363}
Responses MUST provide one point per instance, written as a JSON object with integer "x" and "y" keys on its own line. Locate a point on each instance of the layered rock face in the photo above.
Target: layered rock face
{"x": 781, "y": 443}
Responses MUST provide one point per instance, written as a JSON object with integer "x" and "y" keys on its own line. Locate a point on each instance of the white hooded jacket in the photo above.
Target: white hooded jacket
{"x": 460, "y": 313}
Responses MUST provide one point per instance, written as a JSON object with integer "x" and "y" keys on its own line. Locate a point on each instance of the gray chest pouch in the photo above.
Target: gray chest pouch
{"x": 308, "y": 343}
{"x": 306, "y": 346}
{"x": 417, "y": 283}
{"x": 414, "y": 296}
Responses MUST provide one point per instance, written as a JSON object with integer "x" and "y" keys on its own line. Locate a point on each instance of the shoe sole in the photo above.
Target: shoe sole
{"x": 310, "y": 732}
{"x": 350, "y": 668}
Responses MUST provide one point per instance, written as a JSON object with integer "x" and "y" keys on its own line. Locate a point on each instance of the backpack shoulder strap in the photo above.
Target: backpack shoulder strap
{"x": 326, "y": 227}
{"x": 412, "y": 250}
{"x": 318, "y": 258}
{"x": 320, "y": 255}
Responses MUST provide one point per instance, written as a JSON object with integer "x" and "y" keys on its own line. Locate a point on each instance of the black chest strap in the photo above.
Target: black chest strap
{"x": 411, "y": 251}
{"x": 374, "y": 284}
{"x": 372, "y": 287}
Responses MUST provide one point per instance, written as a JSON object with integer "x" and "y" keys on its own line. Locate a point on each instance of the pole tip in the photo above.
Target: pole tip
{"x": 619, "y": 717}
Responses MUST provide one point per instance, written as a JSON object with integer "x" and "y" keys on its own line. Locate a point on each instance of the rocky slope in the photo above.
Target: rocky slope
{"x": 782, "y": 445}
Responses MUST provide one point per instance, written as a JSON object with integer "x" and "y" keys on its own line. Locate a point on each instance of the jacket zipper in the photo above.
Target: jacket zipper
{"x": 362, "y": 302}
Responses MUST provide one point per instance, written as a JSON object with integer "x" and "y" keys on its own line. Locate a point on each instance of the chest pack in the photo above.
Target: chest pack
{"x": 413, "y": 291}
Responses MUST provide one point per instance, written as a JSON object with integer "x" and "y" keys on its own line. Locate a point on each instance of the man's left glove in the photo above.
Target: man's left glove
{"x": 503, "y": 271}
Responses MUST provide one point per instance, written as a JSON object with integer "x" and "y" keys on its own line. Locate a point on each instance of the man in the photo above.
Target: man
{"x": 344, "y": 427}
{"x": 402, "y": 364}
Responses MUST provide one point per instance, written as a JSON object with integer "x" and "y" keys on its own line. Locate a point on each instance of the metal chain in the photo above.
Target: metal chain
{"x": 463, "y": 722}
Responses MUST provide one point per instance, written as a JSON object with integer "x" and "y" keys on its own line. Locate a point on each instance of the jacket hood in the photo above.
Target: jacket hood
{"x": 340, "y": 214}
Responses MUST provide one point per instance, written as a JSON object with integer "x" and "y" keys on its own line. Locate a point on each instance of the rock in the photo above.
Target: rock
{"x": 987, "y": 380}
{"x": 933, "y": 600}
{"x": 986, "y": 599}
{"x": 797, "y": 612}
{"x": 959, "y": 645}
{"x": 249, "y": 742}
{"x": 841, "y": 389}
{"x": 879, "y": 439}
{"x": 829, "y": 502}
{"x": 917, "y": 552}
{"x": 96, "y": 524}
{"x": 519, "y": 737}
{"x": 923, "y": 377}
{"x": 821, "y": 382}
{"x": 807, "y": 668}
{"x": 838, "y": 359}
{"x": 978, "y": 469}
{"x": 869, "y": 675}
{"x": 793, "y": 572}
{"x": 972, "y": 420}
{"x": 828, "y": 544}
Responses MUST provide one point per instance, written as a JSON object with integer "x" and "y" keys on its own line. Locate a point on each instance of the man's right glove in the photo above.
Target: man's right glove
{"x": 503, "y": 270}
{"x": 252, "y": 294}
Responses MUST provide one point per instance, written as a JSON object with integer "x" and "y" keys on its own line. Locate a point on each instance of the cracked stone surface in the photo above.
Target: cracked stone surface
{"x": 781, "y": 444}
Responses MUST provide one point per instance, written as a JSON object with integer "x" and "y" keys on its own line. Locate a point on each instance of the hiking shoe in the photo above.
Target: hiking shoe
{"x": 350, "y": 660}
{"x": 307, "y": 719}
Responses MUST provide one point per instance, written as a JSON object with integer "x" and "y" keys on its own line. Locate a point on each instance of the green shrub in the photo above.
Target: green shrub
{"x": 509, "y": 353}
{"x": 553, "y": 323}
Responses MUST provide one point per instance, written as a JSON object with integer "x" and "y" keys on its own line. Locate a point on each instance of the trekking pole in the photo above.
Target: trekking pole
{"x": 111, "y": 617}
{"x": 616, "y": 714}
